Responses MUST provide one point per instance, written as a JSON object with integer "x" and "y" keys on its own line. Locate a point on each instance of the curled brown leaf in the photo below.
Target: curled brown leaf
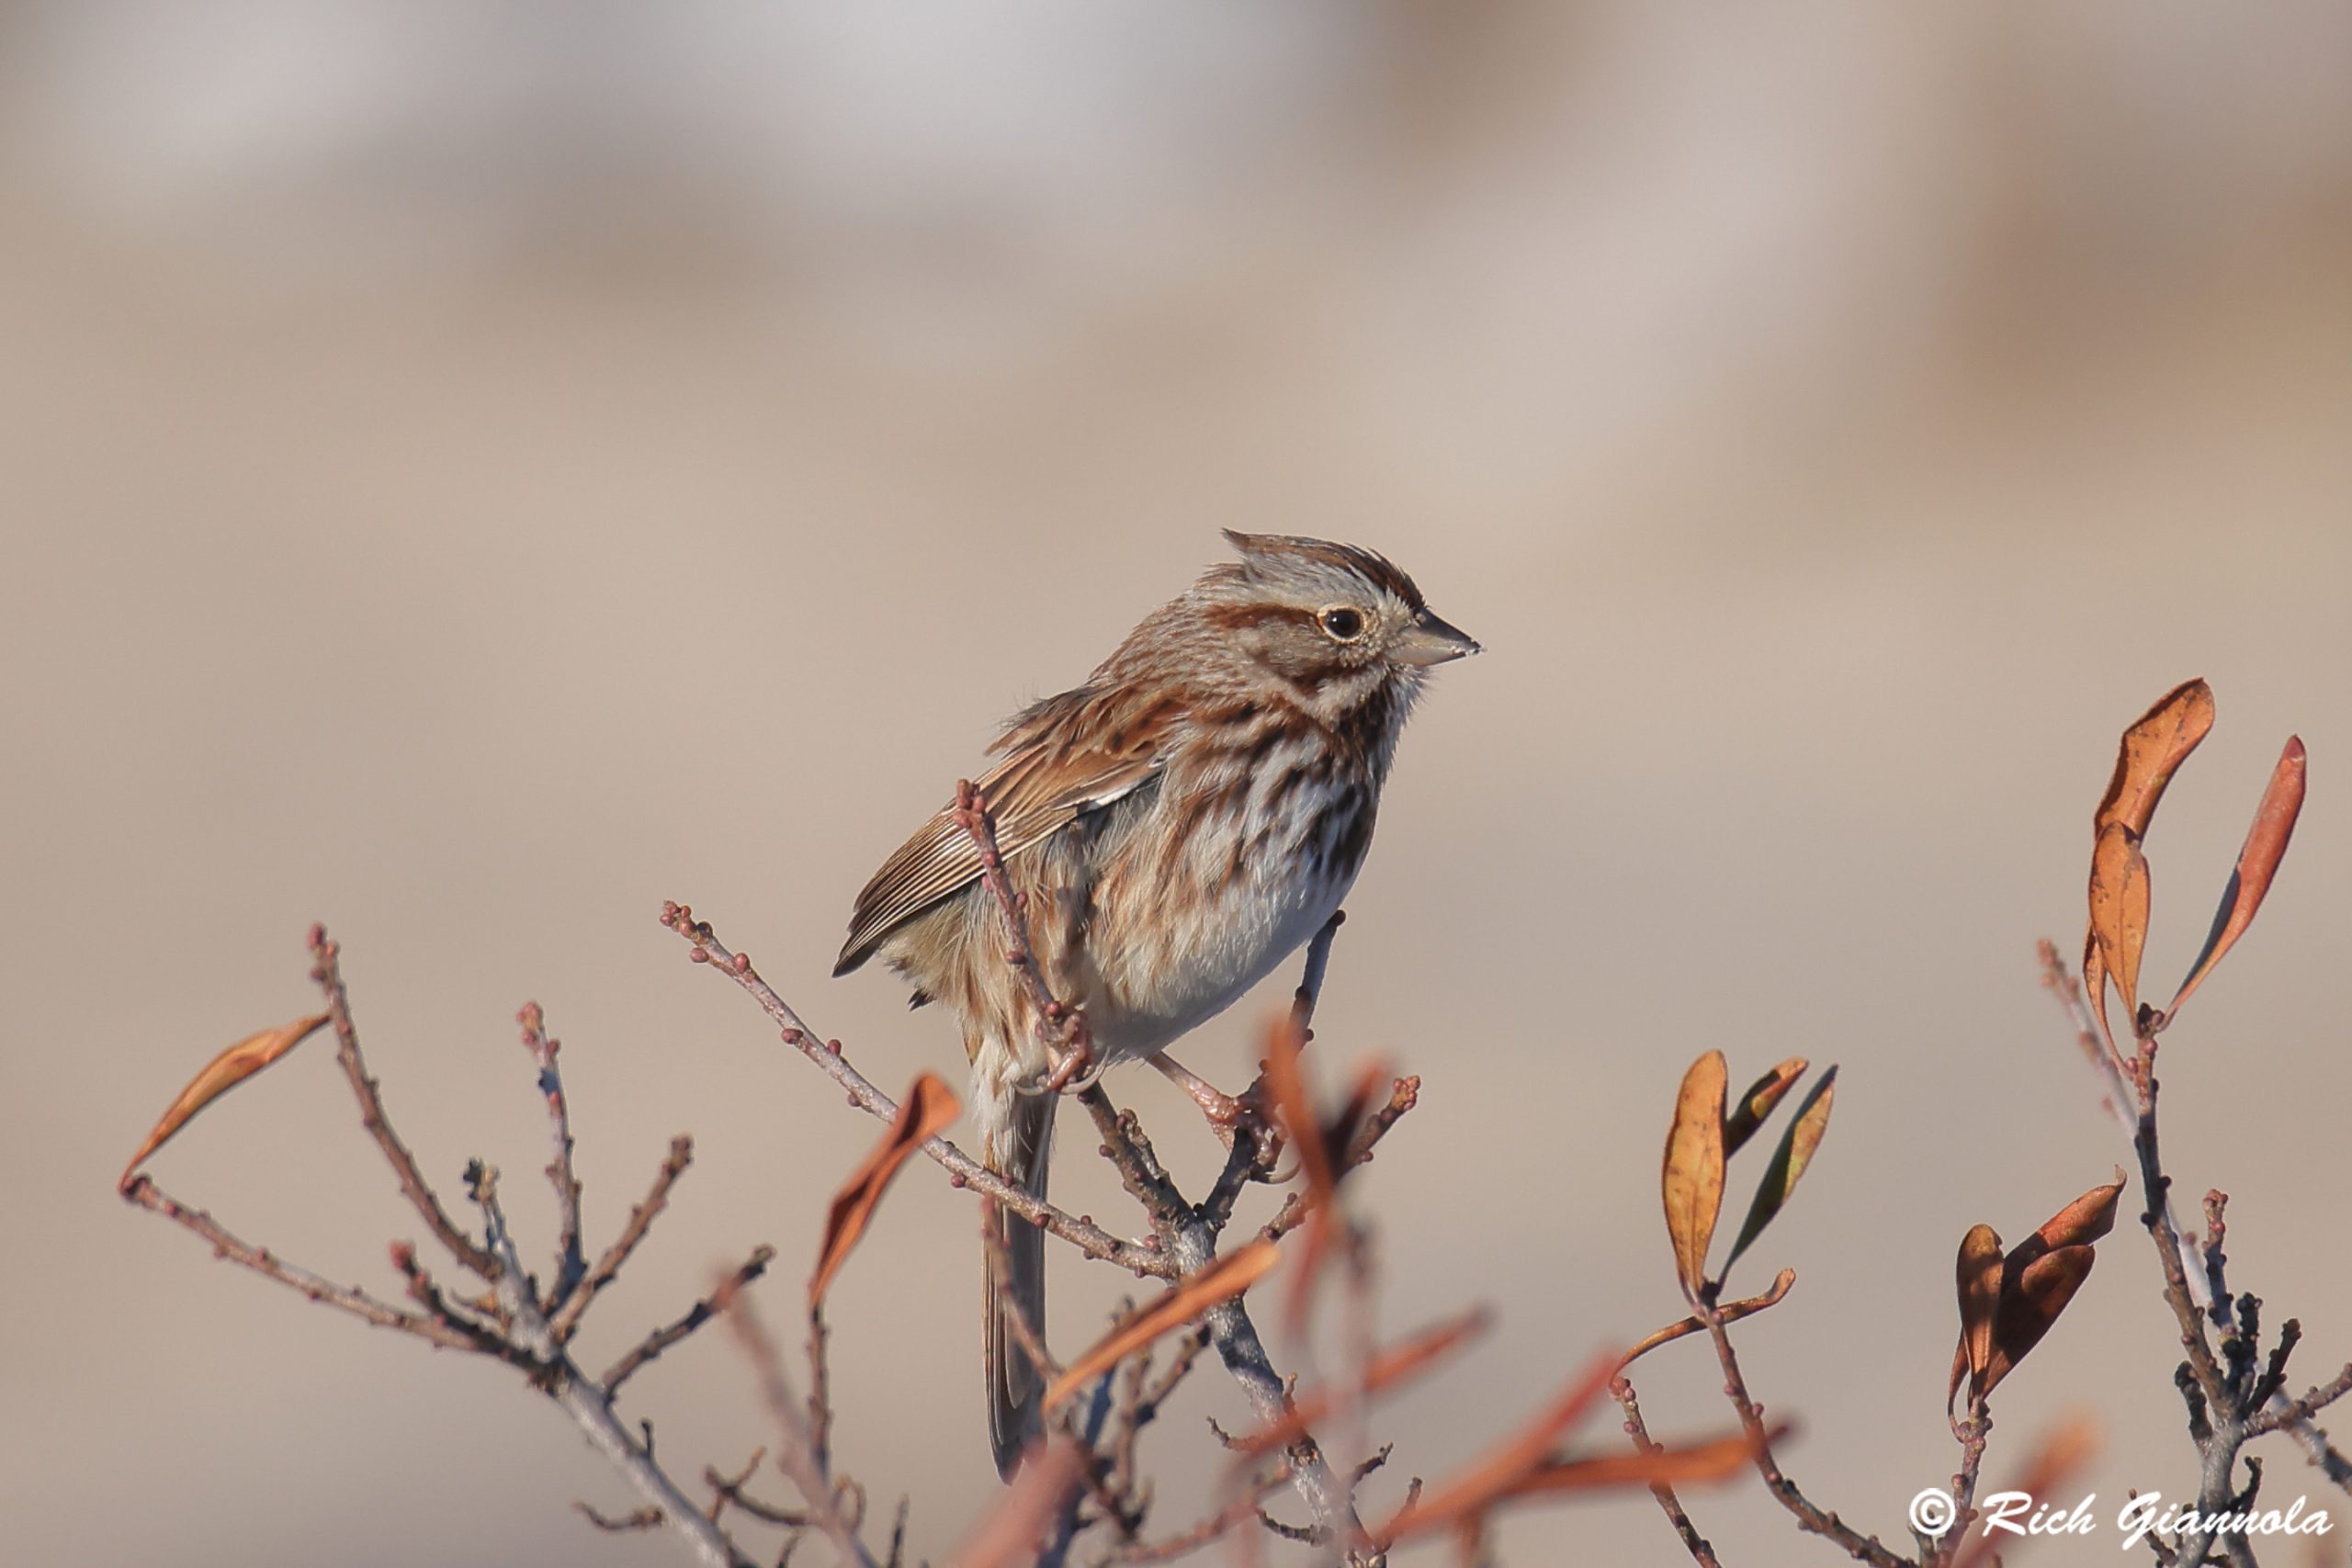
{"x": 1979, "y": 1282}
{"x": 926, "y": 1112}
{"x": 2032, "y": 1299}
{"x": 2266, "y": 846}
{"x": 226, "y": 1071}
{"x": 1692, "y": 1180}
{"x": 2156, "y": 745}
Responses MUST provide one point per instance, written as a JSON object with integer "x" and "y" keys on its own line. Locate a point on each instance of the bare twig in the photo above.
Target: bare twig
{"x": 326, "y": 969}
{"x": 795, "y": 1455}
{"x": 702, "y": 1312}
{"x": 1701, "y": 1551}
{"x": 1808, "y": 1514}
{"x": 566, "y": 1319}
{"x": 1087, "y": 1237}
{"x": 144, "y": 1193}
{"x": 571, "y": 1265}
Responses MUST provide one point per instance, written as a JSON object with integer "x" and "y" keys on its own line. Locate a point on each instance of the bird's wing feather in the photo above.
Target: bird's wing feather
{"x": 1066, "y": 756}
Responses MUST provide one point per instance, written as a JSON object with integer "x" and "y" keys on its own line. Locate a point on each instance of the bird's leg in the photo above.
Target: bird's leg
{"x": 1222, "y": 1110}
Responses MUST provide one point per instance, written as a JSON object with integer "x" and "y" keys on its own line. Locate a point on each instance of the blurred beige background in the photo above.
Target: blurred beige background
{"x": 473, "y": 472}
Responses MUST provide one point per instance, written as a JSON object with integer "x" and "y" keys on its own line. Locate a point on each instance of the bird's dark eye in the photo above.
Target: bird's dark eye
{"x": 1343, "y": 624}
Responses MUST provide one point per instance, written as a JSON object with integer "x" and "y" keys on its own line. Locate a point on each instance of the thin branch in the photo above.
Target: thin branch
{"x": 1701, "y": 1551}
{"x": 1087, "y": 1236}
{"x": 144, "y": 1193}
{"x": 326, "y": 969}
{"x": 794, "y": 1456}
{"x": 702, "y": 1312}
{"x": 1808, "y": 1514}
{"x": 565, "y": 1320}
{"x": 569, "y": 1263}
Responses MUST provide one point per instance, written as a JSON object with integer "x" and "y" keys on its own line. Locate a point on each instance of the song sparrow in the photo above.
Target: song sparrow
{"x": 1178, "y": 825}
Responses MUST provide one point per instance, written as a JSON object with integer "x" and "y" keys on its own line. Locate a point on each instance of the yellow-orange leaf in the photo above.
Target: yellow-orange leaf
{"x": 1731, "y": 1311}
{"x": 231, "y": 1067}
{"x": 1225, "y": 1278}
{"x": 930, "y": 1106}
{"x": 2265, "y": 845}
{"x": 1789, "y": 1160}
{"x": 2154, "y": 746}
{"x": 1979, "y": 1281}
{"x": 2119, "y": 910}
{"x": 1755, "y": 1105}
{"x": 1692, "y": 1181}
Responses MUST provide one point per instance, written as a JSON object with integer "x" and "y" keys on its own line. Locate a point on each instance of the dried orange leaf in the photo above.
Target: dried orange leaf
{"x": 1505, "y": 1466}
{"x": 1668, "y": 1467}
{"x": 2079, "y": 1223}
{"x": 1979, "y": 1281}
{"x": 2120, "y": 911}
{"x": 1731, "y": 1311}
{"x": 2154, "y": 746}
{"x": 1789, "y": 1160}
{"x": 2094, "y": 986}
{"x": 1225, "y": 1278}
{"x": 1755, "y": 1105}
{"x": 231, "y": 1067}
{"x": 1013, "y": 1528}
{"x": 1294, "y": 1109}
{"x": 1387, "y": 1369}
{"x": 1692, "y": 1182}
{"x": 2032, "y": 1299}
{"x": 930, "y": 1106}
{"x": 2265, "y": 845}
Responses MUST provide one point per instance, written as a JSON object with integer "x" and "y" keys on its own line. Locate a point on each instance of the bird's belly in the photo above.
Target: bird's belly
{"x": 1166, "y": 970}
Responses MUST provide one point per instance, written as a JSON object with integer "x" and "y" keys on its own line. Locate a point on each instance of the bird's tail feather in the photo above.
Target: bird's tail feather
{"x": 1014, "y": 1280}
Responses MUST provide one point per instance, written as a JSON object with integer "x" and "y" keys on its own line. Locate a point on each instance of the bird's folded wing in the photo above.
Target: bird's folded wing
{"x": 1066, "y": 756}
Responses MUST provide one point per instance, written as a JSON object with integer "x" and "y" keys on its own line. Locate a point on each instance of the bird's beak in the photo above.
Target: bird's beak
{"x": 1430, "y": 641}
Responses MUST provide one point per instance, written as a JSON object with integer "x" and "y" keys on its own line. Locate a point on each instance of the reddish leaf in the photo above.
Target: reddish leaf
{"x": 1692, "y": 1181}
{"x": 926, "y": 1112}
{"x": 1755, "y": 1105}
{"x": 2265, "y": 845}
{"x": 231, "y": 1067}
{"x": 1225, "y": 1278}
{"x": 2119, "y": 912}
{"x": 2079, "y": 1223}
